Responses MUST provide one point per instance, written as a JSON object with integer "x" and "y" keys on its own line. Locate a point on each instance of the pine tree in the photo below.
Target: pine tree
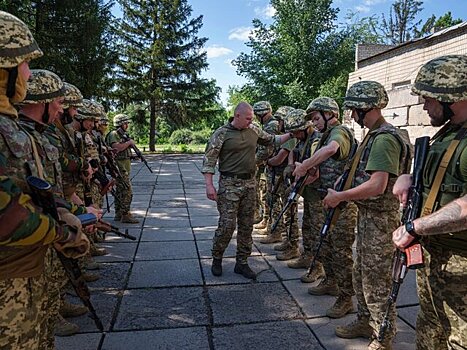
{"x": 161, "y": 61}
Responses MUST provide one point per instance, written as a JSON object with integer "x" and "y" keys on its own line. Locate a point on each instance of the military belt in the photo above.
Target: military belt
{"x": 245, "y": 176}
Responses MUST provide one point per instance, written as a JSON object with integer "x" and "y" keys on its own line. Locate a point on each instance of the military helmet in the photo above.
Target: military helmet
{"x": 18, "y": 44}
{"x": 262, "y": 107}
{"x": 120, "y": 119}
{"x": 89, "y": 110}
{"x": 282, "y": 111}
{"x": 443, "y": 78}
{"x": 366, "y": 95}
{"x": 43, "y": 87}
{"x": 295, "y": 120}
{"x": 73, "y": 97}
{"x": 323, "y": 104}
{"x": 104, "y": 120}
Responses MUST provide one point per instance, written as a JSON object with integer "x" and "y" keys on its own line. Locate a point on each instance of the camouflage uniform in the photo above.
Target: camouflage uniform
{"x": 236, "y": 193}
{"x": 442, "y": 289}
{"x": 378, "y": 216}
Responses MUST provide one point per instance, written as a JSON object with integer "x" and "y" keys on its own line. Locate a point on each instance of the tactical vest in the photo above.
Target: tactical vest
{"x": 90, "y": 147}
{"x": 332, "y": 168}
{"x": 126, "y": 153}
{"x": 310, "y": 192}
{"x": 387, "y": 201}
{"x": 452, "y": 187}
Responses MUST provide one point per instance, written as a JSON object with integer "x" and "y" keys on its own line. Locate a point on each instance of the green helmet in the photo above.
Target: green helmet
{"x": 73, "y": 97}
{"x": 120, "y": 119}
{"x": 295, "y": 120}
{"x": 17, "y": 44}
{"x": 43, "y": 87}
{"x": 282, "y": 111}
{"x": 323, "y": 104}
{"x": 443, "y": 78}
{"x": 262, "y": 107}
{"x": 366, "y": 95}
{"x": 89, "y": 110}
{"x": 104, "y": 120}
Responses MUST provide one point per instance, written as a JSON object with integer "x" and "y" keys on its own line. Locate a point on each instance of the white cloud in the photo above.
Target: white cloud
{"x": 266, "y": 12}
{"x": 240, "y": 33}
{"x": 362, "y": 8}
{"x": 217, "y": 51}
{"x": 373, "y": 2}
{"x": 229, "y": 63}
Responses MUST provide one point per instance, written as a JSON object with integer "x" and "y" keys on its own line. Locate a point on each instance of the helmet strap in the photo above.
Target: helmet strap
{"x": 325, "y": 120}
{"x": 11, "y": 84}
{"x": 45, "y": 115}
{"x": 447, "y": 111}
{"x": 66, "y": 117}
{"x": 361, "y": 115}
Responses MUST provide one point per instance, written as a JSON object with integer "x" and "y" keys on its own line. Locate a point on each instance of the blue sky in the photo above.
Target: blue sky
{"x": 227, "y": 23}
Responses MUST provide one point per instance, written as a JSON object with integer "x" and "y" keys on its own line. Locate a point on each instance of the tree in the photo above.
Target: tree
{"x": 75, "y": 37}
{"x": 161, "y": 61}
{"x": 400, "y": 25}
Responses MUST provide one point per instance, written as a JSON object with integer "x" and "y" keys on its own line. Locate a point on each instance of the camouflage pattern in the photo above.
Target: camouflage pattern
{"x": 235, "y": 203}
{"x": 313, "y": 218}
{"x": 295, "y": 120}
{"x": 443, "y": 78}
{"x": 22, "y": 318}
{"x": 264, "y": 152}
{"x": 276, "y": 194}
{"x": 366, "y": 94}
{"x": 73, "y": 97}
{"x": 120, "y": 119}
{"x": 262, "y": 107}
{"x": 442, "y": 292}
{"x": 373, "y": 265}
{"x": 282, "y": 111}
{"x": 20, "y": 45}
{"x": 89, "y": 110}
{"x": 43, "y": 87}
{"x": 323, "y": 104}
{"x": 124, "y": 196}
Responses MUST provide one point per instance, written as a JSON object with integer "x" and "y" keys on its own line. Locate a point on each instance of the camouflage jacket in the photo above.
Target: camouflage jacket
{"x": 265, "y": 152}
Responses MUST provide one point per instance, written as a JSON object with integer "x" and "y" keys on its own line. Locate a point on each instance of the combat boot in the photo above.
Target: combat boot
{"x": 284, "y": 245}
{"x": 359, "y": 328}
{"x": 95, "y": 251}
{"x": 90, "y": 264}
{"x": 325, "y": 286}
{"x": 245, "y": 271}
{"x": 262, "y": 225}
{"x": 376, "y": 345}
{"x": 71, "y": 310}
{"x": 257, "y": 219}
{"x": 216, "y": 267}
{"x": 271, "y": 238}
{"x": 341, "y": 307}
{"x": 288, "y": 254}
{"x": 303, "y": 262}
{"x": 263, "y": 231}
{"x": 90, "y": 277}
{"x": 128, "y": 219}
{"x": 63, "y": 328}
{"x": 118, "y": 217}
{"x": 316, "y": 274}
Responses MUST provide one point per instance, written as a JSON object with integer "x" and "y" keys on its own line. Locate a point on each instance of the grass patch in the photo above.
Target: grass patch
{"x": 170, "y": 148}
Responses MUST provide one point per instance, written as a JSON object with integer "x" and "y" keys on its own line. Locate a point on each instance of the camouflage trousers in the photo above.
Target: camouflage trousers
{"x": 372, "y": 277}
{"x": 276, "y": 198}
{"x": 90, "y": 195}
{"x": 336, "y": 251}
{"x": 292, "y": 234}
{"x": 123, "y": 191}
{"x": 235, "y": 203}
{"x": 261, "y": 203}
{"x": 22, "y": 317}
{"x": 313, "y": 219}
{"x": 442, "y": 291}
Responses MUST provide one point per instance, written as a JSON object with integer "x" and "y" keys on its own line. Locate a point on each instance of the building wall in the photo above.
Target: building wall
{"x": 396, "y": 70}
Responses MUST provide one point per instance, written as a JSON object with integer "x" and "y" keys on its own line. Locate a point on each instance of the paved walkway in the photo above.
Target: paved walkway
{"x": 158, "y": 292}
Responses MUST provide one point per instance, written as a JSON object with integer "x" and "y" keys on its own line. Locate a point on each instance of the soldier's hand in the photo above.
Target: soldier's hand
{"x": 332, "y": 199}
{"x": 401, "y": 188}
{"x": 97, "y": 212}
{"x": 299, "y": 170}
{"x": 401, "y": 238}
{"x": 211, "y": 192}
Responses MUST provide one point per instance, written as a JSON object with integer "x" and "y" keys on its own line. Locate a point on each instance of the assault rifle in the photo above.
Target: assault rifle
{"x": 90, "y": 219}
{"x": 43, "y": 197}
{"x": 333, "y": 213}
{"x": 126, "y": 138}
{"x": 412, "y": 256}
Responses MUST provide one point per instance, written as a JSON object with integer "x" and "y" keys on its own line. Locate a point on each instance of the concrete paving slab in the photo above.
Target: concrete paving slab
{"x": 207, "y": 233}
{"x": 167, "y": 197}
{"x": 409, "y": 314}
{"x": 162, "y": 308}
{"x": 281, "y": 268}
{"x": 89, "y": 341}
{"x": 265, "y": 336}
{"x": 193, "y": 211}
{"x": 172, "y": 203}
{"x": 178, "y": 191}
{"x": 257, "y": 264}
{"x": 166, "y": 273}
{"x": 200, "y": 221}
{"x": 114, "y": 238}
{"x": 166, "y": 250}
{"x": 113, "y": 276}
{"x": 166, "y": 212}
{"x": 205, "y": 246}
{"x": 265, "y": 249}
{"x": 252, "y": 302}
{"x": 118, "y": 252}
{"x": 163, "y": 339}
{"x": 168, "y": 221}
{"x": 200, "y": 203}
{"x": 158, "y": 234}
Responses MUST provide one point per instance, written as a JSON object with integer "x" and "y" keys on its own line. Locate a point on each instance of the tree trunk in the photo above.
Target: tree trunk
{"x": 152, "y": 124}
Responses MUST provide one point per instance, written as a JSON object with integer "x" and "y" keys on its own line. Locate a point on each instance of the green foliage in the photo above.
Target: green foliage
{"x": 181, "y": 136}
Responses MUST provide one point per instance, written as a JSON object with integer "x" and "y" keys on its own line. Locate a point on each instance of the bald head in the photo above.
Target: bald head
{"x": 243, "y": 115}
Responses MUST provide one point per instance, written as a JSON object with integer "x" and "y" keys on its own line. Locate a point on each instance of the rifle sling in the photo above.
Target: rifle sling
{"x": 430, "y": 202}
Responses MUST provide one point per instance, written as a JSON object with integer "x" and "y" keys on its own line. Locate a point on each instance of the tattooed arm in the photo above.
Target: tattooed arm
{"x": 450, "y": 218}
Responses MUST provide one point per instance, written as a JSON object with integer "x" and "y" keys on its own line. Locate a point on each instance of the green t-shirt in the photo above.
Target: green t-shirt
{"x": 289, "y": 145}
{"x": 340, "y": 136}
{"x": 384, "y": 155}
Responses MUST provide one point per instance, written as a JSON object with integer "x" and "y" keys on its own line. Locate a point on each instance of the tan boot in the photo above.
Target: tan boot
{"x": 63, "y": 328}
{"x": 95, "y": 251}
{"x": 316, "y": 274}
{"x": 376, "y": 345}
{"x": 90, "y": 264}
{"x": 90, "y": 277}
{"x": 284, "y": 245}
{"x": 272, "y": 238}
{"x": 341, "y": 307}
{"x": 324, "y": 287}
{"x": 128, "y": 219}
{"x": 262, "y": 225}
{"x": 288, "y": 254}
{"x": 263, "y": 231}
{"x": 71, "y": 310}
{"x": 118, "y": 217}
{"x": 359, "y": 328}
{"x": 303, "y": 262}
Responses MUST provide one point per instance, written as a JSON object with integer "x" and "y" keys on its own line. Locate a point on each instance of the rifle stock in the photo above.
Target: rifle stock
{"x": 90, "y": 219}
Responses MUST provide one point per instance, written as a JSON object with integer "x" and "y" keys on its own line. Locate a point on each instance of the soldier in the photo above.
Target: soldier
{"x": 234, "y": 145}
{"x": 124, "y": 191}
{"x": 331, "y": 155}
{"x": 381, "y": 157}
{"x": 27, "y": 233}
{"x": 442, "y": 288}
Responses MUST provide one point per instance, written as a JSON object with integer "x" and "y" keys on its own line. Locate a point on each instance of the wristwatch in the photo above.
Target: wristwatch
{"x": 409, "y": 227}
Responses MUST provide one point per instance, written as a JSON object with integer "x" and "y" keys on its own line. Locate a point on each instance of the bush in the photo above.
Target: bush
{"x": 201, "y": 136}
{"x": 181, "y": 136}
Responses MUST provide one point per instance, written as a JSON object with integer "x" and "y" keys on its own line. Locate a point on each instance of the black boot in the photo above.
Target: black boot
{"x": 245, "y": 271}
{"x": 216, "y": 267}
